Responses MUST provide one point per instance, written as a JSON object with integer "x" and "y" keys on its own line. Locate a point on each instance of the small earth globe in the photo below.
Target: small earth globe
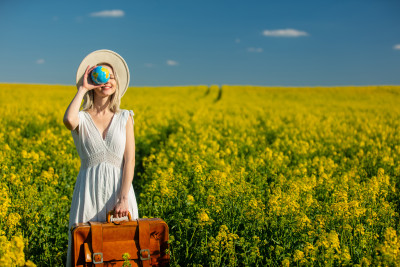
{"x": 100, "y": 75}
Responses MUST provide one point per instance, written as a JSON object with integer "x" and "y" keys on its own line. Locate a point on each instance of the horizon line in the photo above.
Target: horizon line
{"x": 214, "y": 84}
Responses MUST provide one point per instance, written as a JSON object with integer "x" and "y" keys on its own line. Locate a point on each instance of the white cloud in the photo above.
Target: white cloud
{"x": 116, "y": 13}
{"x": 396, "y": 47}
{"x": 237, "y": 40}
{"x": 255, "y": 49}
{"x": 172, "y": 62}
{"x": 284, "y": 33}
{"x": 40, "y": 61}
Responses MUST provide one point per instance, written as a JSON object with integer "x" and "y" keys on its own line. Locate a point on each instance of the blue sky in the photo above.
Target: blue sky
{"x": 167, "y": 42}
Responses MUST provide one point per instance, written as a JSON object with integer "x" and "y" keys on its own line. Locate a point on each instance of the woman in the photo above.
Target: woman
{"x": 104, "y": 138}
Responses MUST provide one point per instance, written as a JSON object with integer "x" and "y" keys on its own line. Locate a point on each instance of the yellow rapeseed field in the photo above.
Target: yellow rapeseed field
{"x": 243, "y": 175}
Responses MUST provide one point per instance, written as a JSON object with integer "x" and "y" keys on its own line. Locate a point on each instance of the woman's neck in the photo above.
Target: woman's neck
{"x": 101, "y": 105}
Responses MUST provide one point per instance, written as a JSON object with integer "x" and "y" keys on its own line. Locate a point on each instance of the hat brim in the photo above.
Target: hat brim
{"x": 106, "y": 56}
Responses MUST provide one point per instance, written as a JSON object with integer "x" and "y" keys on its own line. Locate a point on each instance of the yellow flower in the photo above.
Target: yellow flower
{"x": 286, "y": 262}
{"x": 210, "y": 200}
{"x": 198, "y": 168}
{"x": 5, "y": 201}
{"x": 29, "y": 264}
{"x": 333, "y": 240}
{"x": 24, "y": 154}
{"x": 298, "y": 255}
{"x": 203, "y": 217}
{"x": 12, "y": 252}
{"x": 190, "y": 199}
{"x": 13, "y": 220}
{"x": 390, "y": 249}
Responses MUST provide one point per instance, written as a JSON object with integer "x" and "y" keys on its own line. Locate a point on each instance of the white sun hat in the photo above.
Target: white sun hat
{"x": 105, "y": 56}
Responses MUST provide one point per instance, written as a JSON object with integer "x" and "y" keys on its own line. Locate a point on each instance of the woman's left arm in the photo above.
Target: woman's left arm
{"x": 122, "y": 207}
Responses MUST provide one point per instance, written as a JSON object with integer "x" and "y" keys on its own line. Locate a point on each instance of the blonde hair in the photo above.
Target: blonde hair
{"x": 115, "y": 98}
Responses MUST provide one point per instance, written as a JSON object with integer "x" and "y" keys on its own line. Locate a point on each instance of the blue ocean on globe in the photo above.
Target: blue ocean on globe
{"x": 100, "y": 75}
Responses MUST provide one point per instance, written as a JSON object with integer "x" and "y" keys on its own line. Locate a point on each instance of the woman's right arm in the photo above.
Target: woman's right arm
{"x": 71, "y": 119}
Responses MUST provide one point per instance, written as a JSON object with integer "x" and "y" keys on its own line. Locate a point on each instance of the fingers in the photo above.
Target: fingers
{"x": 116, "y": 213}
{"x": 87, "y": 82}
{"x": 89, "y": 69}
{"x": 123, "y": 213}
{"x": 119, "y": 213}
{"x": 96, "y": 86}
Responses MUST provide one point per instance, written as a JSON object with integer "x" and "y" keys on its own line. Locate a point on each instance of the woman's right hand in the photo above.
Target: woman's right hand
{"x": 87, "y": 81}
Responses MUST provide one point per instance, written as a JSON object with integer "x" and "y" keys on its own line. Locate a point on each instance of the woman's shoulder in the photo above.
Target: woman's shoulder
{"x": 82, "y": 112}
{"x": 127, "y": 111}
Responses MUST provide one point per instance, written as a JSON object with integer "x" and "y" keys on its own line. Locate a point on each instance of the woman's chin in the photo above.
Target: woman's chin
{"x": 105, "y": 92}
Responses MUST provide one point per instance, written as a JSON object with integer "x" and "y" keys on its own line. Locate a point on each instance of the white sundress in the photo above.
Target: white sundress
{"x": 100, "y": 176}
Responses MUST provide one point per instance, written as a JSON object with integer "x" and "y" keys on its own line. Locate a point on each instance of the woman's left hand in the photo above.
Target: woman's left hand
{"x": 121, "y": 208}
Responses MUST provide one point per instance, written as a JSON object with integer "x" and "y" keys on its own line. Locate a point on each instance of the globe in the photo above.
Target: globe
{"x": 100, "y": 75}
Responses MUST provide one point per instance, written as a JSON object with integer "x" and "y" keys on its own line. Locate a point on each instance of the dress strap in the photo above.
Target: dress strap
{"x": 132, "y": 114}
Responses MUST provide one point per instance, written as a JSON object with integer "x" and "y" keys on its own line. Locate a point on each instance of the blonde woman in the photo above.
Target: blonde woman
{"x": 104, "y": 139}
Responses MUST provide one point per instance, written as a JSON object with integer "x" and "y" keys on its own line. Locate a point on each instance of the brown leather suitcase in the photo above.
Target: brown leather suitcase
{"x": 103, "y": 244}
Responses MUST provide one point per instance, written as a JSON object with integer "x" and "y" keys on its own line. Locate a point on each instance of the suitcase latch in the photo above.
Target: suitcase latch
{"x": 148, "y": 254}
{"x": 96, "y": 260}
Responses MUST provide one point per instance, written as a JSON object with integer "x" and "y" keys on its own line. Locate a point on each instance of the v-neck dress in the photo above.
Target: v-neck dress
{"x": 100, "y": 176}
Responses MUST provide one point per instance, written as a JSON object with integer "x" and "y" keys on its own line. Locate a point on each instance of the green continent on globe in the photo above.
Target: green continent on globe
{"x": 95, "y": 75}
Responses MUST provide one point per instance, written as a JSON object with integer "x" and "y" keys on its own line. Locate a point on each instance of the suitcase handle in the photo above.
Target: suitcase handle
{"x": 111, "y": 212}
